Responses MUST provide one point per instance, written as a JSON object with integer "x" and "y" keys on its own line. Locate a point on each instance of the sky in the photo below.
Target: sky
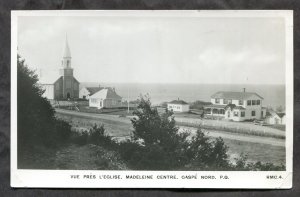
{"x": 126, "y": 49}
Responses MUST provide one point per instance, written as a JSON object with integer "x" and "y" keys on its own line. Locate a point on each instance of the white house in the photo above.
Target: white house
{"x": 86, "y": 92}
{"x": 236, "y": 106}
{"x": 275, "y": 117}
{"x": 105, "y": 98}
{"x": 179, "y": 106}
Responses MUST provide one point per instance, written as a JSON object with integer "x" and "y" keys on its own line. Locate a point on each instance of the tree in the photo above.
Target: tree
{"x": 36, "y": 122}
{"x": 158, "y": 135}
{"x": 157, "y": 143}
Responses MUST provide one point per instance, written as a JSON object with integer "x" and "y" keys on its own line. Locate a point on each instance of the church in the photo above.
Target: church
{"x": 63, "y": 86}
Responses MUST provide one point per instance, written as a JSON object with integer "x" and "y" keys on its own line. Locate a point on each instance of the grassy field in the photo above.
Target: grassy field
{"x": 88, "y": 157}
{"x": 255, "y": 151}
{"x": 72, "y": 157}
{"x": 113, "y": 128}
{"x": 278, "y": 126}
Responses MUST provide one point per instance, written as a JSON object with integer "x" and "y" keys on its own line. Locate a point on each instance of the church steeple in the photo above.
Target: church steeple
{"x": 66, "y": 61}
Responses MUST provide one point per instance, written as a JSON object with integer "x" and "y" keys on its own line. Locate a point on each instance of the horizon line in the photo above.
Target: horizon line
{"x": 186, "y": 83}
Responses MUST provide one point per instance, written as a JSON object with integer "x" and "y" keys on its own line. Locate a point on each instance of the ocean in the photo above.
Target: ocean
{"x": 274, "y": 95}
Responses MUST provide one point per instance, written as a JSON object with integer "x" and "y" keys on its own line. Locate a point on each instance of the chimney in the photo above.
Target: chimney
{"x": 178, "y": 98}
{"x": 244, "y": 89}
{"x": 114, "y": 89}
{"x": 99, "y": 86}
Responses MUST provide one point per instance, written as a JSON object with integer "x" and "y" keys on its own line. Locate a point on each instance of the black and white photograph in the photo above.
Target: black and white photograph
{"x": 193, "y": 99}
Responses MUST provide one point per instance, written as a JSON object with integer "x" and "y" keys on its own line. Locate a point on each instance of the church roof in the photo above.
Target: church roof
{"x": 67, "y": 52}
{"x": 106, "y": 93}
{"x": 93, "y": 90}
{"x": 48, "y": 78}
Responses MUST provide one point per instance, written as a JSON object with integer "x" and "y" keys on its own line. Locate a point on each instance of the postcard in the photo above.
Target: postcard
{"x": 152, "y": 99}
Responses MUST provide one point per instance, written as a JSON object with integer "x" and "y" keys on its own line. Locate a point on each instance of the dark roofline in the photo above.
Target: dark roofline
{"x": 219, "y": 92}
{"x": 181, "y": 102}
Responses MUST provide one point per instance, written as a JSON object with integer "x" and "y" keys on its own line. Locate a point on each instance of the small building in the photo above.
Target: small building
{"x": 178, "y": 106}
{"x": 275, "y": 117}
{"x": 86, "y": 92}
{"x": 105, "y": 98}
{"x": 236, "y": 106}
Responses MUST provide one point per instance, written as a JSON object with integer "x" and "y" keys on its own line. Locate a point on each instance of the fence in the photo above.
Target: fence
{"x": 232, "y": 128}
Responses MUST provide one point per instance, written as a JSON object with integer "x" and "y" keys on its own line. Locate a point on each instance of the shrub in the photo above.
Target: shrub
{"x": 199, "y": 104}
{"x": 62, "y": 131}
{"x": 157, "y": 144}
{"x": 242, "y": 165}
{"x": 79, "y": 138}
{"x": 97, "y": 136}
{"x": 37, "y": 125}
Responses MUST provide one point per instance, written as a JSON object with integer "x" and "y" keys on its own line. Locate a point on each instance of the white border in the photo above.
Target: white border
{"x": 238, "y": 179}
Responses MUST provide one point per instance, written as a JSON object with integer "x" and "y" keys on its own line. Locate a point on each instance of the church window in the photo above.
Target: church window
{"x": 68, "y": 63}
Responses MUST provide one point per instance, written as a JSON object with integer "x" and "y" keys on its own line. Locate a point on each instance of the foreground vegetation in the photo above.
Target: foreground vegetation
{"x": 37, "y": 126}
{"x": 156, "y": 143}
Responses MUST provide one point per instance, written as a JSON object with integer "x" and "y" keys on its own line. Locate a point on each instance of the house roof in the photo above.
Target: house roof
{"x": 231, "y": 106}
{"x": 271, "y": 112}
{"x": 179, "y": 102}
{"x": 235, "y": 95}
{"x": 93, "y": 90}
{"x": 239, "y": 107}
{"x": 215, "y": 106}
{"x": 280, "y": 114}
{"x": 106, "y": 93}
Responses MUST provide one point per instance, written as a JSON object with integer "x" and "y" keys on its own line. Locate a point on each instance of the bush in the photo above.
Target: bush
{"x": 199, "y": 104}
{"x": 158, "y": 145}
{"x": 62, "y": 131}
{"x": 242, "y": 165}
{"x": 79, "y": 138}
{"x": 97, "y": 136}
{"x": 37, "y": 125}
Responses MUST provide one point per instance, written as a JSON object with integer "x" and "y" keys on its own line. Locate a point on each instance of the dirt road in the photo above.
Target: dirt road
{"x": 121, "y": 126}
{"x": 258, "y": 148}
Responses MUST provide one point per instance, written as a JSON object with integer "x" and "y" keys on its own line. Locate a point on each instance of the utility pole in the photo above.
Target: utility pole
{"x": 128, "y": 100}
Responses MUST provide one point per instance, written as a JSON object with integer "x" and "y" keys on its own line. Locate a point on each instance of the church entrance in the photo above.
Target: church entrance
{"x": 68, "y": 95}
